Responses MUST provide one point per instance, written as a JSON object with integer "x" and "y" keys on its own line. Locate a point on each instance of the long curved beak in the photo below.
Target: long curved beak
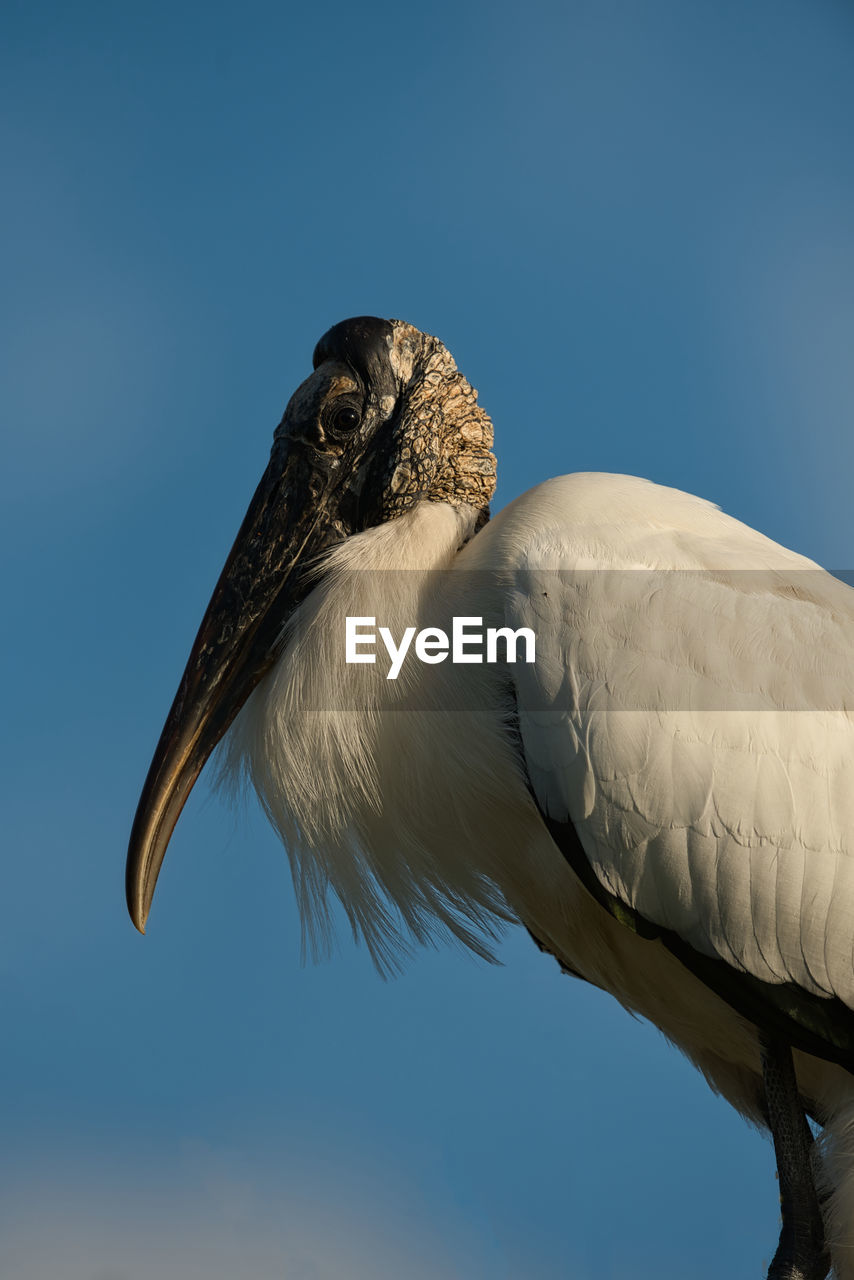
{"x": 286, "y": 524}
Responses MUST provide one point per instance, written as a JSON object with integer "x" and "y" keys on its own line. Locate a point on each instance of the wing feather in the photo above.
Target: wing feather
{"x": 690, "y": 713}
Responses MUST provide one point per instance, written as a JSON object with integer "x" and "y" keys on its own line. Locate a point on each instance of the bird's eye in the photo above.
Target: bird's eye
{"x": 345, "y": 419}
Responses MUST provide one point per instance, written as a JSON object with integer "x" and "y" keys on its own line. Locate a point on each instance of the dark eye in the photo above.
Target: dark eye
{"x": 345, "y": 419}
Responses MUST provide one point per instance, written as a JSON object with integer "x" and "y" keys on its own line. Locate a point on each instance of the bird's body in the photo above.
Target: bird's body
{"x": 664, "y": 797}
{"x": 663, "y": 718}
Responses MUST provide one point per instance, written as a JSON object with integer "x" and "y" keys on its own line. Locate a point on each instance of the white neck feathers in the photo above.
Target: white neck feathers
{"x": 352, "y": 768}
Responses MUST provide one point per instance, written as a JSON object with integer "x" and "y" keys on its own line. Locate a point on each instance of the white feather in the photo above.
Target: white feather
{"x": 690, "y": 711}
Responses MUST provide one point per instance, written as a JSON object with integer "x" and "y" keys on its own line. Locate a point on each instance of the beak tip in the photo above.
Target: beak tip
{"x": 137, "y": 909}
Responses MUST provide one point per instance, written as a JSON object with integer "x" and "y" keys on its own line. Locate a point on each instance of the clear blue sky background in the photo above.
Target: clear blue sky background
{"x": 632, "y": 225}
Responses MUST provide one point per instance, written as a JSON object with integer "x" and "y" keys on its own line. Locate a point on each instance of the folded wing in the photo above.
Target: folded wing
{"x": 691, "y": 715}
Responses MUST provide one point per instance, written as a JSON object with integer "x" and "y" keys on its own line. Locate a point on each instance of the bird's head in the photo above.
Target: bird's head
{"x": 385, "y": 421}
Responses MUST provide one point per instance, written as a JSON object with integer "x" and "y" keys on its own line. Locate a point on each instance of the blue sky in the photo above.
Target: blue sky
{"x": 632, "y": 225}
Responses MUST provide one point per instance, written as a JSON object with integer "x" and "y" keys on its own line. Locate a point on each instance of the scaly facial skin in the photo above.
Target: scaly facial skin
{"x": 385, "y": 421}
{"x": 443, "y": 450}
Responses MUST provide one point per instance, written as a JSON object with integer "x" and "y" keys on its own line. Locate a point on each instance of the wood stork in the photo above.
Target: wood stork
{"x": 664, "y": 797}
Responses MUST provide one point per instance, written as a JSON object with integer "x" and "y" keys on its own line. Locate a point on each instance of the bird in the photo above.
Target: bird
{"x": 653, "y": 773}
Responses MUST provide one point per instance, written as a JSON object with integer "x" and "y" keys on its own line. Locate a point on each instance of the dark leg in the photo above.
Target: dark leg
{"x": 802, "y": 1252}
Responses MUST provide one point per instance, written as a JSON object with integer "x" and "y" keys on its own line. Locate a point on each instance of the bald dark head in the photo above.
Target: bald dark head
{"x": 363, "y": 342}
{"x": 385, "y": 421}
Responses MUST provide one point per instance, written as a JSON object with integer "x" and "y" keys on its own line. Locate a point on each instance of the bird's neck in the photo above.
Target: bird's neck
{"x": 352, "y": 767}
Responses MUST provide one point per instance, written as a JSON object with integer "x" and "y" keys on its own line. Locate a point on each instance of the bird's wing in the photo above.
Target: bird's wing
{"x": 691, "y": 714}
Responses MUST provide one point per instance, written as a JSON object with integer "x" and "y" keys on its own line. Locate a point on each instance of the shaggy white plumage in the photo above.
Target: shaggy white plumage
{"x": 689, "y": 711}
